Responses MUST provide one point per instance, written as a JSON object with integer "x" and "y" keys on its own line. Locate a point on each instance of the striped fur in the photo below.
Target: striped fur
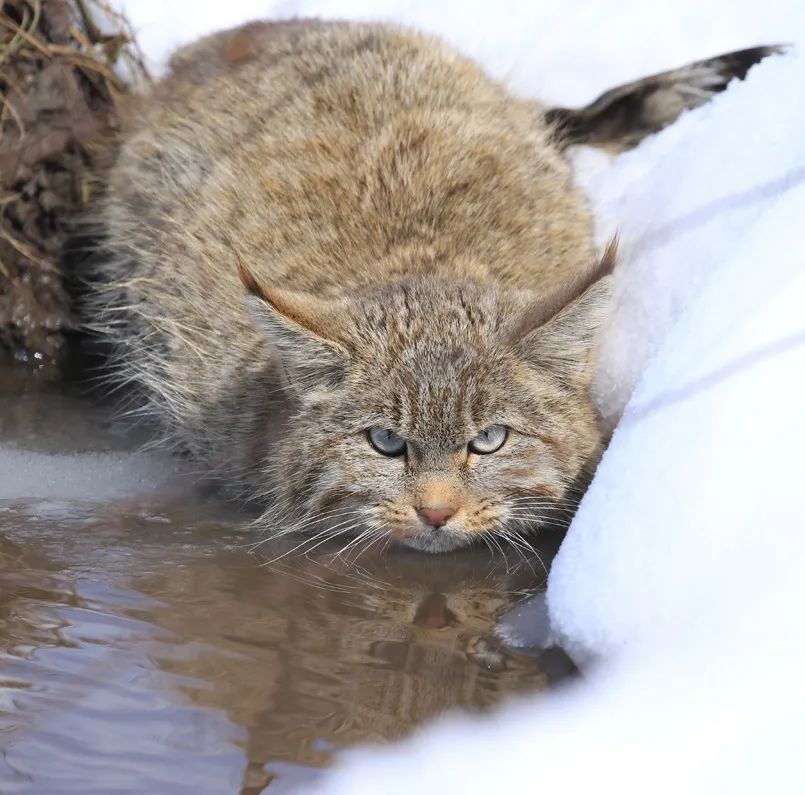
{"x": 415, "y": 256}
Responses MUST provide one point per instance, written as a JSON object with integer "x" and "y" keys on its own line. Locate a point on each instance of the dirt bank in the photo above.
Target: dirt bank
{"x": 60, "y": 83}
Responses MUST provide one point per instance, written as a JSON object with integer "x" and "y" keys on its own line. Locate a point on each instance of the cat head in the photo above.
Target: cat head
{"x": 432, "y": 412}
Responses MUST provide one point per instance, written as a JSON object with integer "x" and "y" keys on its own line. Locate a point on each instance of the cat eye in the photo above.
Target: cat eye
{"x": 489, "y": 440}
{"x": 385, "y": 441}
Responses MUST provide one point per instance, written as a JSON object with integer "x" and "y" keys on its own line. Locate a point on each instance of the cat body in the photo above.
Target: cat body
{"x": 341, "y": 264}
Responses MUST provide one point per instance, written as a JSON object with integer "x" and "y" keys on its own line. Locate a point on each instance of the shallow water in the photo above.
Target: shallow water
{"x": 144, "y": 648}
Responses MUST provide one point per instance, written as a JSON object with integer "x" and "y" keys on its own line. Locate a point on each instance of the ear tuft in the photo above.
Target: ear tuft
{"x": 609, "y": 258}
{"x": 559, "y": 331}
{"x": 549, "y": 306}
{"x": 576, "y": 287}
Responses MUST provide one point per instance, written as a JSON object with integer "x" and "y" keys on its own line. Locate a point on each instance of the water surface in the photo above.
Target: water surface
{"x": 145, "y": 647}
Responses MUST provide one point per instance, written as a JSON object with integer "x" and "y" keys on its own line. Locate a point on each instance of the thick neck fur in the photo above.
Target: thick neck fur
{"x": 418, "y": 260}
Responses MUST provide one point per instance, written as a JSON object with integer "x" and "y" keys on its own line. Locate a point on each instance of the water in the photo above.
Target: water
{"x": 145, "y": 649}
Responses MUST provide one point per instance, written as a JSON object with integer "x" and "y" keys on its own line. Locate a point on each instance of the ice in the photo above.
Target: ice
{"x": 681, "y": 573}
{"x": 86, "y": 477}
{"x": 56, "y": 447}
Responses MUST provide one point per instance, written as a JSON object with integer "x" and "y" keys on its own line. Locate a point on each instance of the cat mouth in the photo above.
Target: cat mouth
{"x": 434, "y": 540}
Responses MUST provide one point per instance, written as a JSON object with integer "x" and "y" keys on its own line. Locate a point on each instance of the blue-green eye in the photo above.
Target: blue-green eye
{"x": 489, "y": 440}
{"x": 385, "y": 441}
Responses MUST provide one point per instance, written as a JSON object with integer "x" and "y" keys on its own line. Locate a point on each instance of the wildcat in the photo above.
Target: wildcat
{"x": 352, "y": 277}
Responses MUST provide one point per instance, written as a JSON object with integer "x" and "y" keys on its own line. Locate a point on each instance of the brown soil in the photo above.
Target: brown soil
{"x": 58, "y": 91}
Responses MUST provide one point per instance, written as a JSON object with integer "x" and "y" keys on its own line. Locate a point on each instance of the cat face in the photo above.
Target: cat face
{"x": 432, "y": 413}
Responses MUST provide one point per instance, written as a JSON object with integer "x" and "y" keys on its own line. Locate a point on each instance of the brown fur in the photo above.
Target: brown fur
{"x": 416, "y": 257}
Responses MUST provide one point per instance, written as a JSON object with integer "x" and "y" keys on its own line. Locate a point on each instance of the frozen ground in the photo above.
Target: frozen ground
{"x": 681, "y": 570}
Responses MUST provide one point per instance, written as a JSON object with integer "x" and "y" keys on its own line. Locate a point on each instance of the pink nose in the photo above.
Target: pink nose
{"x": 436, "y": 515}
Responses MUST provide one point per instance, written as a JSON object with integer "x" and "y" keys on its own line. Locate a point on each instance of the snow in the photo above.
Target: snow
{"x": 680, "y": 574}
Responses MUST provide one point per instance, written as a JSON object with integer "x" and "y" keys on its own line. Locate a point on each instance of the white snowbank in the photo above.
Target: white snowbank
{"x": 681, "y": 570}
{"x": 701, "y": 489}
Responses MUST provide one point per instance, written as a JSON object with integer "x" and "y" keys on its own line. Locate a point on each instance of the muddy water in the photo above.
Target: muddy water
{"x": 146, "y": 648}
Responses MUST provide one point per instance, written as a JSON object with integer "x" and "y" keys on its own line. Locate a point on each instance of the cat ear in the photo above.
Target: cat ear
{"x": 306, "y": 332}
{"x": 559, "y": 331}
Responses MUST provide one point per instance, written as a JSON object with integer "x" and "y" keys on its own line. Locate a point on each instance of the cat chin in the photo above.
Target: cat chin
{"x": 435, "y": 541}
